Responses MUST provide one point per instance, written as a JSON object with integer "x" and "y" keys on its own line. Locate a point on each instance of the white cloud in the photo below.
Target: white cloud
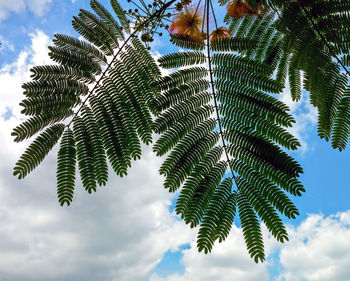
{"x": 12, "y": 76}
{"x": 227, "y": 261}
{"x": 119, "y": 233}
{"x": 38, "y": 7}
{"x": 6, "y": 45}
{"x": 305, "y": 116}
{"x": 319, "y": 249}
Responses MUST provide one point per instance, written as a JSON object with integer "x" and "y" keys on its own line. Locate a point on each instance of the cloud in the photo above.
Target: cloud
{"x": 305, "y": 116}
{"x": 38, "y": 7}
{"x": 4, "y": 44}
{"x": 227, "y": 261}
{"x": 12, "y": 76}
{"x": 319, "y": 249}
{"x": 119, "y": 233}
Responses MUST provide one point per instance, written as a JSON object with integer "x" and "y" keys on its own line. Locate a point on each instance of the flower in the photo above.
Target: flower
{"x": 238, "y": 9}
{"x": 219, "y": 33}
{"x": 187, "y": 24}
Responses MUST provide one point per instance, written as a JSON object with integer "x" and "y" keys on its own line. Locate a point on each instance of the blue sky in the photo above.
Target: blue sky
{"x": 125, "y": 231}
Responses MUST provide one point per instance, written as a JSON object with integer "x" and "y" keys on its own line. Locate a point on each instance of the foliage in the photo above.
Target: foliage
{"x": 223, "y": 131}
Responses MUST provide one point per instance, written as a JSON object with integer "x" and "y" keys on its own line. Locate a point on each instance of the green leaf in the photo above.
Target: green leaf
{"x": 251, "y": 228}
{"x": 37, "y": 151}
{"x": 66, "y": 168}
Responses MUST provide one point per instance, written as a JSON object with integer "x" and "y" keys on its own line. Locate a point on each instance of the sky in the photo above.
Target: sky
{"x": 127, "y": 230}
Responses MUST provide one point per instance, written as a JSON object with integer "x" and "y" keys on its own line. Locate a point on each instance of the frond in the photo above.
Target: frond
{"x": 180, "y": 129}
{"x": 265, "y": 211}
{"x": 261, "y": 34}
{"x": 255, "y": 101}
{"x": 244, "y": 26}
{"x": 266, "y": 188}
{"x": 335, "y": 85}
{"x": 36, "y": 123}
{"x": 178, "y": 94}
{"x": 117, "y": 148}
{"x": 233, "y": 44}
{"x": 125, "y": 23}
{"x": 234, "y": 61}
{"x": 181, "y": 59}
{"x": 183, "y": 42}
{"x": 274, "y": 51}
{"x": 341, "y": 128}
{"x": 37, "y": 150}
{"x": 251, "y": 228}
{"x": 282, "y": 68}
{"x": 58, "y": 72}
{"x": 180, "y": 77}
{"x": 218, "y": 218}
{"x": 254, "y": 124}
{"x": 46, "y": 88}
{"x": 78, "y": 46}
{"x": 100, "y": 28}
{"x": 242, "y": 76}
{"x": 69, "y": 58}
{"x": 85, "y": 28}
{"x": 84, "y": 155}
{"x": 179, "y": 111}
{"x": 98, "y": 152}
{"x": 44, "y": 105}
{"x": 187, "y": 161}
{"x": 146, "y": 58}
{"x": 346, "y": 60}
{"x": 108, "y": 120}
{"x": 294, "y": 83}
{"x": 107, "y": 18}
{"x": 66, "y": 168}
{"x": 196, "y": 193}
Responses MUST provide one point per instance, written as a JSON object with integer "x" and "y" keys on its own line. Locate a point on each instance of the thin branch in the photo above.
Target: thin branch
{"x": 195, "y": 13}
{"x": 204, "y": 9}
{"x": 322, "y": 37}
{"x": 212, "y": 9}
{"x": 215, "y": 99}
{"x": 139, "y": 7}
{"x": 154, "y": 15}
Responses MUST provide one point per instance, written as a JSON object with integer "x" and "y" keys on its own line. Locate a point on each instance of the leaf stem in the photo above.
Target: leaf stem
{"x": 215, "y": 99}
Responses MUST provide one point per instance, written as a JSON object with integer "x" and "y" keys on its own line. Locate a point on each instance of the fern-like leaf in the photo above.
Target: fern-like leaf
{"x": 251, "y": 228}
{"x": 37, "y": 150}
{"x": 66, "y": 168}
{"x": 185, "y": 42}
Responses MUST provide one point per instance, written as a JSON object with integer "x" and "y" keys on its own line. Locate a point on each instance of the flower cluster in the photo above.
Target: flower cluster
{"x": 239, "y": 9}
{"x": 188, "y": 23}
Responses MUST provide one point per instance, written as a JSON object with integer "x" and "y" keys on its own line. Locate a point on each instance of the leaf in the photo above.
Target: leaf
{"x": 37, "y": 150}
{"x": 66, "y": 168}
